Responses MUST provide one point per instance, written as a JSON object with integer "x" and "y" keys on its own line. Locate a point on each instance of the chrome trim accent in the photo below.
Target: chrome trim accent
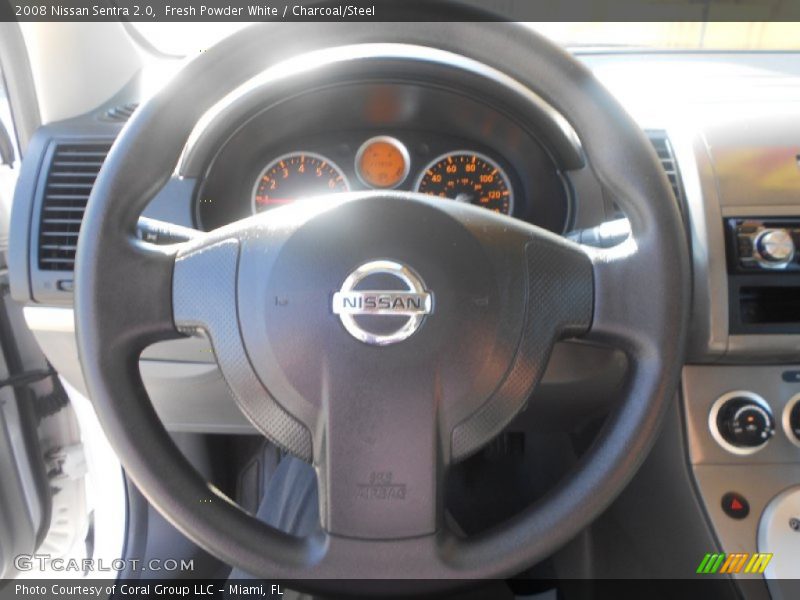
{"x": 712, "y": 421}
{"x": 415, "y": 303}
{"x": 786, "y": 244}
{"x": 785, "y": 421}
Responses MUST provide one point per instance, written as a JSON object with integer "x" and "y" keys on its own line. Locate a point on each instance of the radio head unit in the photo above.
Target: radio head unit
{"x": 763, "y": 274}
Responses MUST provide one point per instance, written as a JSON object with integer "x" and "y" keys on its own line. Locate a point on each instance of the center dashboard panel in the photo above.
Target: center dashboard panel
{"x": 740, "y": 391}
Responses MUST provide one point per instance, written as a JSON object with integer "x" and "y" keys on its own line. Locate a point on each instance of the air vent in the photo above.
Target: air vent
{"x": 667, "y": 157}
{"x": 663, "y": 149}
{"x": 121, "y": 113}
{"x": 70, "y": 178}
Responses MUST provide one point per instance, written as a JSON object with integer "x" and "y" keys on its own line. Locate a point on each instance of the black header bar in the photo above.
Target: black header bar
{"x": 398, "y": 10}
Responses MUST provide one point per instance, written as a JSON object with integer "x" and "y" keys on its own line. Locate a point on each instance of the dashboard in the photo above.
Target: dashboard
{"x": 735, "y": 162}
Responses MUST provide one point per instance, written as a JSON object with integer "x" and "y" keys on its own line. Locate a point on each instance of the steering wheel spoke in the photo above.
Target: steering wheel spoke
{"x": 137, "y": 301}
{"x": 626, "y": 320}
{"x": 205, "y": 300}
{"x": 553, "y": 277}
{"x": 204, "y": 287}
{"x": 379, "y": 473}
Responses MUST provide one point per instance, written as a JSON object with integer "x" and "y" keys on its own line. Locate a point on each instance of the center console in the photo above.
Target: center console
{"x": 741, "y": 388}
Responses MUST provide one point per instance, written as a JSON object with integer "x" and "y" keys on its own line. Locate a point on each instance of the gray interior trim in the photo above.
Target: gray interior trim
{"x": 703, "y": 385}
{"x": 20, "y": 514}
{"x": 709, "y": 331}
{"x": 48, "y": 318}
{"x": 778, "y": 536}
{"x": 189, "y": 392}
{"x": 758, "y": 476}
{"x": 758, "y": 486}
{"x": 724, "y": 176}
{"x": 184, "y": 383}
{"x": 19, "y": 81}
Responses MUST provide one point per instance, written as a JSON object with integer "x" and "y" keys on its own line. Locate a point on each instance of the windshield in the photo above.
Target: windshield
{"x": 185, "y": 39}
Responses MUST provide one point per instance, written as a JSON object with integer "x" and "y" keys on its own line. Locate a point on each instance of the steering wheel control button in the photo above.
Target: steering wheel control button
{"x": 388, "y": 313}
{"x": 741, "y": 422}
{"x": 735, "y": 505}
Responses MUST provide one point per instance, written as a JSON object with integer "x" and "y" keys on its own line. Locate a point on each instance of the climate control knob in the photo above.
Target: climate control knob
{"x": 791, "y": 419}
{"x": 775, "y": 246}
{"x": 742, "y": 422}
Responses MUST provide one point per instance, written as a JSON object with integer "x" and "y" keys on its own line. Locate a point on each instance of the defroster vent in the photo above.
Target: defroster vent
{"x": 71, "y": 175}
{"x": 121, "y": 113}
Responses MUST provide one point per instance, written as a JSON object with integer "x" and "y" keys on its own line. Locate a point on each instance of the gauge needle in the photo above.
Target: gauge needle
{"x": 274, "y": 200}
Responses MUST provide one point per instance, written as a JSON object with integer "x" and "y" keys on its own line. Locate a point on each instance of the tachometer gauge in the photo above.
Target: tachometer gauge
{"x": 467, "y": 176}
{"x": 297, "y": 175}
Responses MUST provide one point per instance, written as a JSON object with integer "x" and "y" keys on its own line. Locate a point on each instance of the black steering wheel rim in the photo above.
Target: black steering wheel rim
{"x": 117, "y": 278}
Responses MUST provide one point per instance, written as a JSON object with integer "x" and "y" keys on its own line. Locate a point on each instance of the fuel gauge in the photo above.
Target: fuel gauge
{"x": 382, "y": 162}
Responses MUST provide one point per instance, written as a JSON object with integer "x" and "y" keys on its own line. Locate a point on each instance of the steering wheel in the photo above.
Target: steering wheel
{"x": 381, "y": 336}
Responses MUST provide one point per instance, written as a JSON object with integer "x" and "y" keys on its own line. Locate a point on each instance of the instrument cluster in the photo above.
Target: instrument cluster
{"x": 453, "y": 168}
{"x": 384, "y": 162}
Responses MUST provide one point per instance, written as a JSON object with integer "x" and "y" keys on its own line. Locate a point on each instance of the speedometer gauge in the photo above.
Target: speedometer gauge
{"x": 467, "y": 176}
{"x": 296, "y": 175}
